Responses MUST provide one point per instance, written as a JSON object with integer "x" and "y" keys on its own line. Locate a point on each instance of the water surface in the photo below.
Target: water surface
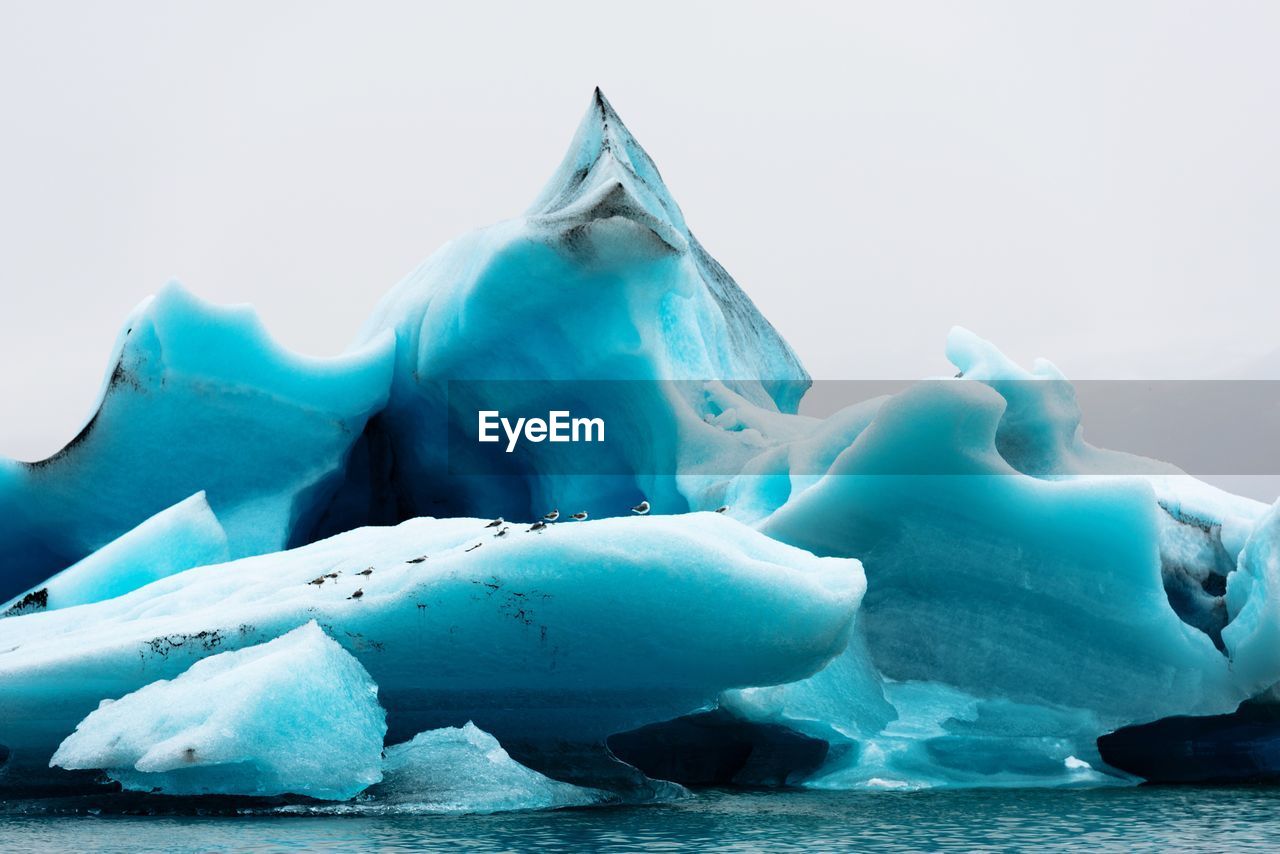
{"x": 1148, "y": 818}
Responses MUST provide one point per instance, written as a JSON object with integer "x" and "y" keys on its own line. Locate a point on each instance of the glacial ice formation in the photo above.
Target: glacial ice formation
{"x": 175, "y": 539}
{"x": 601, "y": 280}
{"x": 1037, "y": 610}
{"x": 971, "y": 560}
{"x": 295, "y": 715}
{"x": 197, "y": 398}
{"x": 1042, "y": 592}
{"x": 596, "y": 627}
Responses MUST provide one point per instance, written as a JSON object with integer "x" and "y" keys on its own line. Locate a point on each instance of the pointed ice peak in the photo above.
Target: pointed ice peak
{"x": 614, "y": 136}
{"x": 603, "y": 151}
{"x": 605, "y": 185}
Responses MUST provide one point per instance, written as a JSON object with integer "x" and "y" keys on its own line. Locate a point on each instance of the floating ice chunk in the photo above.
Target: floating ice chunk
{"x": 198, "y": 397}
{"x": 185, "y": 535}
{"x": 465, "y": 770}
{"x": 294, "y": 715}
{"x": 597, "y": 627}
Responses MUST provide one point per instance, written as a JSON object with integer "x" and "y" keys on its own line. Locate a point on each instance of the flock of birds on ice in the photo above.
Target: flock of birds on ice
{"x": 641, "y": 509}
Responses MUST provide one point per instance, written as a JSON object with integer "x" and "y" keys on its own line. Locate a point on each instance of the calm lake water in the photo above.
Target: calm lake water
{"x": 1154, "y": 819}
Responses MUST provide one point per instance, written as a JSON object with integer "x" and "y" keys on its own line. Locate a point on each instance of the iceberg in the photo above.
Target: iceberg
{"x": 940, "y": 587}
{"x": 295, "y": 715}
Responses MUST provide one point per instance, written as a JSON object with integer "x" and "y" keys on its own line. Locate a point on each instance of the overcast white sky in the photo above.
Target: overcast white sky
{"x": 1092, "y": 182}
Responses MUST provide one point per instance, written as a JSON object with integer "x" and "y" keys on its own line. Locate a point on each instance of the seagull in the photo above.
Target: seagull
{"x": 502, "y": 533}
{"x": 641, "y": 509}
{"x": 331, "y": 574}
{"x": 552, "y": 516}
{"x": 368, "y": 571}
{"x": 473, "y": 548}
{"x": 495, "y": 523}
{"x": 317, "y": 581}
{"x": 722, "y": 508}
{"x": 537, "y": 526}
{"x": 357, "y": 594}
{"x": 580, "y": 516}
{"x": 418, "y": 559}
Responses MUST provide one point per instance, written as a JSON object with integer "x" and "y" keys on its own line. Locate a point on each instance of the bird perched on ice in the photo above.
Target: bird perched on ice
{"x": 502, "y": 532}
{"x": 357, "y": 594}
{"x": 722, "y": 508}
{"x": 641, "y": 509}
{"x": 495, "y": 523}
{"x": 418, "y": 559}
{"x": 317, "y": 581}
{"x": 473, "y": 548}
{"x": 368, "y": 571}
{"x": 580, "y": 516}
{"x": 538, "y": 526}
{"x": 331, "y": 574}
{"x": 552, "y": 516}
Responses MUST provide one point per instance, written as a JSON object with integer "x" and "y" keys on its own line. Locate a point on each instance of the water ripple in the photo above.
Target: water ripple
{"x": 1139, "y": 819}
